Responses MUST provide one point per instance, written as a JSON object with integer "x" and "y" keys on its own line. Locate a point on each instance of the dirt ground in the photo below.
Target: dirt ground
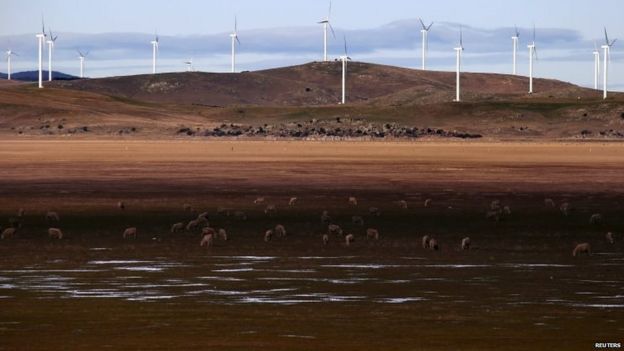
{"x": 519, "y": 288}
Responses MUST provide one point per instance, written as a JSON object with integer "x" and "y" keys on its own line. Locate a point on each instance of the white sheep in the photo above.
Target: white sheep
{"x": 21, "y": 212}
{"x": 222, "y": 234}
{"x": 52, "y": 216}
{"x": 196, "y": 223}
{"x": 425, "y": 241}
{"x": 583, "y": 248}
{"x": 349, "y": 238}
{"x": 292, "y": 201}
{"x": 334, "y": 229}
{"x": 177, "y": 227}
{"x": 565, "y": 209}
{"x": 130, "y": 232}
{"x": 280, "y": 230}
{"x": 325, "y": 218}
{"x": 427, "y": 202}
{"x": 353, "y": 201}
{"x": 325, "y": 239}
{"x": 258, "y": 200}
{"x": 549, "y": 203}
{"x": 403, "y": 204}
{"x": 372, "y": 233}
{"x": 609, "y": 238}
{"x": 495, "y": 205}
{"x": 595, "y": 219}
{"x": 465, "y": 243}
{"x": 55, "y": 233}
{"x": 207, "y": 240}
{"x": 121, "y": 205}
{"x": 8, "y": 233}
{"x": 374, "y": 211}
{"x": 268, "y": 235}
{"x": 433, "y": 244}
{"x": 203, "y": 215}
{"x": 270, "y": 210}
{"x": 507, "y": 210}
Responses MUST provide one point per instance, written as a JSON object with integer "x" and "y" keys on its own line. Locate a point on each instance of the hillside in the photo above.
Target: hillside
{"x": 33, "y": 76}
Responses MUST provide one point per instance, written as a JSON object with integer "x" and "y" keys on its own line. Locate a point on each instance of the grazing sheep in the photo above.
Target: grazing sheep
{"x": 52, "y": 216}
{"x": 222, "y": 234}
{"x": 268, "y": 235}
{"x": 609, "y": 238}
{"x": 240, "y": 215}
{"x": 325, "y": 239}
{"x": 8, "y": 233}
{"x": 549, "y": 203}
{"x": 258, "y": 200}
{"x": 353, "y": 201}
{"x": 495, "y": 205}
{"x": 374, "y": 211}
{"x": 207, "y": 240}
{"x": 269, "y": 210}
{"x": 203, "y": 215}
{"x": 425, "y": 241}
{"x": 595, "y": 219}
{"x": 178, "y": 227}
{"x": 507, "y": 210}
{"x": 403, "y": 204}
{"x": 334, "y": 229}
{"x": 349, "y": 238}
{"x": 465, "y": 243}
{"x": 565, "y": 209}
{"x": 187, "y": 207}
{"x": 493, "y": 215}
{"x": 194, "y": 224}
{"x": 208, "y": 230}
{"x": 21, "y": 212}
{"x": 427, "y": 202}
{"x": 357, "y": 220}
{"x": 372, "y": 233}
{"x": 121, "y": 205}
{"x": 130, "y": 232}
{"x": 325, "y": 218}
{"x": 583, "y": 248}
{"x": 292, "y": 201}
{"x": 280, "y": 230}
{"x": 433, "y": 244}
{"x": 55, "y": 233}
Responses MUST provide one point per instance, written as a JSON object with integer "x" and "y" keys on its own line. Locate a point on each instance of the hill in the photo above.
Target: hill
{"x": 33, "y": 76}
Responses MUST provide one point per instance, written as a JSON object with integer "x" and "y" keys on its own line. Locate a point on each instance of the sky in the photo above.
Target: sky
{"x": 284, "y": 32}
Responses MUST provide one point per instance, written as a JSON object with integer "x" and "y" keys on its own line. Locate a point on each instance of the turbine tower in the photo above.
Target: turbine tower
{"x": 532, "y": 55}
{"x": 514, "y": 41}
{"x": 234, "y": 37}
{"x": 607, "y": 59}
{"x": 596, "y": 66}
{"x": 458, "y": 51}
{"x": 344, "y": 58}
{"x": 40, "y": 38}
{"x": 154, "y": 52}
{"x": 189, "y": 65}
{"x": 325, "y": 22}
{"x": 9, "y": 53}
{"x": 425, "y": 41}
{"x": 82, "y": 57}
{"x": 50, "y": 42}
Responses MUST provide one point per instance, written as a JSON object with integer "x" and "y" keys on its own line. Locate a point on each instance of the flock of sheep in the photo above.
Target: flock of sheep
{"x": 496, "y": 212}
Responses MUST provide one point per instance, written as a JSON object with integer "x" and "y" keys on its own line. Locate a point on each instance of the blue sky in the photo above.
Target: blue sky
{"x": 282, "y": 32}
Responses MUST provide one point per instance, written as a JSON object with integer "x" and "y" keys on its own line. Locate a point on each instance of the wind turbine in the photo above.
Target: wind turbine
{"x": 325, "y": 22}
{"x": 50, "y": 42}
{"x": 596, "y": 65}
{"x": 82, "y": 59}
{"x": 40, "y": 38}
{"x": 532, "y": 54}
{"x": 154, "y": 52}
{"x": 9, "y": 53}
{"x": 425, "y": 41}
{"x": 514, "y": 41}
{"x": 607, "y": 59}
{"x": 189, "y": 65}
{"x": 234, "y": 37}
{"x": 458, "y": 51}
{"x": 344, "y": 58}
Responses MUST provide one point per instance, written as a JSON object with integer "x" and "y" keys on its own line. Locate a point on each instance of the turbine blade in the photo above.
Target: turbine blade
{"x": 606, "y": 36}
{"x": 345, "y": 45}
{"x": 461, "y": 37}
{"x": 238, "y": 40}
{"x": 332, "y": 29}
{"x": 329, "y": 12}
{"x": 87, "y": 53}
{"x": 535, "y": 53}
{"x": 235, "y": 24}
{"x": 613, "y": 42}
{"x": 422, "y": 24}
{"x": 429, "y": 26}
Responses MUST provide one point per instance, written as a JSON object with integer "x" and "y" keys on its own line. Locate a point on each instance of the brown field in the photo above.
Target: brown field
{"x": 519, "y": 288}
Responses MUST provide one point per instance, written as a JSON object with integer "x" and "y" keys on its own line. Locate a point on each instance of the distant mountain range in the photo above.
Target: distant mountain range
{"x": 33, "y": 76}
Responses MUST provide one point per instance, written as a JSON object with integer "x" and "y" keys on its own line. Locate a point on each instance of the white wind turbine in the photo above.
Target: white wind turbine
{"x": 50, "y": 42}
{"x": 425, "y": 41}
{"x": 9, "y": 53}
{"x": 189, "y": 65}
{"x": 607, "y": 59}
{"x": 155, "y": 44}
{"x": 234, "y": 38}
{"x": 458, "y": 51}
{"x": 596, "y": 65}
{"x": 514, "y": 41}
{"x": 82, "y": 57}
{"x": 344, "y": 58}
{"x": 326, "y": 24}
{"x": 532, "y": 55}
{"x": 40, "y": 39}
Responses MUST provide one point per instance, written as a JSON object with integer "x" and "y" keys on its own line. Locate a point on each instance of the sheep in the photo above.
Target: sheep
{"x": 334, "y": 229}
{"x": 353, "y": 201}
{"x": 177, "y": 227}
{"x": 258, "y": 200}
{"x": 357, "y": 220}
{"x": 8, "y": 233}
{"x": 372, "y": 233}
{"x": 583, "y": 248}
{"x": 130, "y": 232}
{"x": 495, "y": 205}
{"x": 21, "y": 212}
{"x": 196, "y": 223}
{"x": 349, "y": 239}
{"x": 427, "y": 203}
{"x": 187, "y": 208}
{"x": 52, "y": 216}
{"x": 268, "y": 235}
{"x": 269, "y": 210}
{"x": 492, "y": 215}
{"x": 565, "y": 209}
{"x": 222, "y": 234}
{"x": 203, "y": 215}
{"x": 403, "y": 204}
{"x": 207, "y": 240}
{"x": 465, "y": 244}
{"x": 325, "y": 239}
{"x": 240, "y": 215}
{"x": 325, "y": 218}
{"x": 595, "y": 219}
{"x": 292, "y": 201}
{"x": 609, "y": 238}
{"x": 55, "y": 233}
{"x": 433, "y": 244}
{"x": 425, "y": 241}
{"x": 374, "y": 211}
{"x": 280, "y": 230}
{"x": 507, "y": 210}
{"x": 121, "y": 205}
{"x": 549, "y": 203}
